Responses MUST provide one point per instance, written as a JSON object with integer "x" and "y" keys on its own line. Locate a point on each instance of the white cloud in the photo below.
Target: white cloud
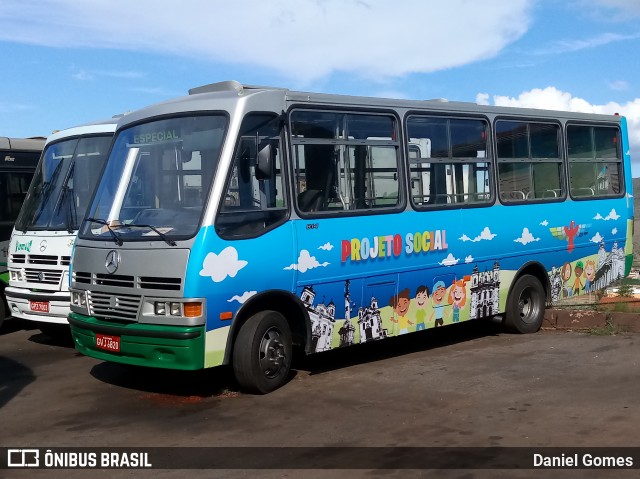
{"x": 526, "y": 237}
{"x": 544, "y": 223}
{"x": 596, "y": 238}
{"x": 321, "y": 37}
{"x": 485, "y": 234}
{"x": 326, "y": 247}
{"x": 619, "y": 85}
{"x": 553, "y": 99}
{"x": 241, "y": 299}
{"x": 565, "y": 46}
{"x": 219, "y": 266}
{"x": 306, "y": 262}
{"x": 598, "y": 216}
{"x": 468, "y": 259}
{"x": 449, "y": 260}
{"x": 612, "y": 216}
{"x": 614, "y": 231}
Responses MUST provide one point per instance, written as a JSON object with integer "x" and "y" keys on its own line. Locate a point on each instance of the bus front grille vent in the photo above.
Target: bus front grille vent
{"x": 43, "y": 259}
{"x": 119, "y": 280}
{"x": 114, "y": 306}
{"x": 150, "y": 282}
{"x": 65, "y": 260}
{"x": 43, "y": 276}
{"x": 80, "y": 277}
{"x": 18, "y": 258}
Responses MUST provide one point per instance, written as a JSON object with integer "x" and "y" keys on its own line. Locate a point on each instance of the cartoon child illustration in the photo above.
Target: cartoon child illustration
{"x": 437, "y": 299}
{"x": 566, "y": 275}
{"x": 590, "y": 274}
{"x": 400, "y": 304}
{"x": 422, "y": 294}
{"x": 577, "y": 285}
{"x": 457, "y": 298}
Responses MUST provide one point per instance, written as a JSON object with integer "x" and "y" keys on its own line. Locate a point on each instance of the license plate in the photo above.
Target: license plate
{"x": 39, "y": 306}
{"x": 108, "y": 343}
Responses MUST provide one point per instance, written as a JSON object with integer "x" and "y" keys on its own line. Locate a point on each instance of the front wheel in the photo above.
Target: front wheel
{"x": 525, "y": 305}
{"x": 262, "y": 353}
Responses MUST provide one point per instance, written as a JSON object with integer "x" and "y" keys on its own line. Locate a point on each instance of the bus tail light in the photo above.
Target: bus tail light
{"x": 192, "y": 310}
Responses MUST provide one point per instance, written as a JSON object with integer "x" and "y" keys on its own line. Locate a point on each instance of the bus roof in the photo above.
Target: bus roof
{"x": 101, "y": 126}
{"x": 224, "y": 96}
{"x": 35, "y": 143}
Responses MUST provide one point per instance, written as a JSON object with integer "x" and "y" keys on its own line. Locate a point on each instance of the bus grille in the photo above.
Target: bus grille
{"x": 150, "y": 282}
{"x": 43, "y": 276}
{"x": 18, "y": 258}
{"x": 120, "y": 280}
{"x": 126, "y": 281}
{"x": 114, "y": 306}
{"x": 43, "y": 259}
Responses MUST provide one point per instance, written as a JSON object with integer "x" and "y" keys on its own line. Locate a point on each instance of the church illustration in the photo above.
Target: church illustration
{"x": 370, "y": 322}
{"x": 323, "y": 318}
{"x": 610, "y": 266}
{"x": 485, "y": 292}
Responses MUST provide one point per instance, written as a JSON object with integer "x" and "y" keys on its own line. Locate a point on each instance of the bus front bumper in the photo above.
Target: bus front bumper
{"x": 43, "y": 306}
{"x": 170, "y": 347}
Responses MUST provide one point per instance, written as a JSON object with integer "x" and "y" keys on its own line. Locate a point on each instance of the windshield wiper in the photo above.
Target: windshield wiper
{"x": 166, "y": 239}
{"x": 68, "y": 214}
{"x": 116, "y": 238}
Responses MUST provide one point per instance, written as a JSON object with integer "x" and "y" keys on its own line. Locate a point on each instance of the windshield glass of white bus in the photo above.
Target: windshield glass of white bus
{"x": 53, "y": 203}
{"x": 157, "y": 180}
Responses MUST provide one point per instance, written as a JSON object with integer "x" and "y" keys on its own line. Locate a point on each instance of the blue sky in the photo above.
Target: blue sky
{"x": 67, "y": 62}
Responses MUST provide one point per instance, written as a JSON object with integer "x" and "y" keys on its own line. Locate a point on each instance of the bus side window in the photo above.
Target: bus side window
{"x": 254, "y": 200}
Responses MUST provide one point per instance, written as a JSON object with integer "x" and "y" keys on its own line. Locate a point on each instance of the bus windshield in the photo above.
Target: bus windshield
{"x": 157, "y": 180}
{"x": 63, "y": 184}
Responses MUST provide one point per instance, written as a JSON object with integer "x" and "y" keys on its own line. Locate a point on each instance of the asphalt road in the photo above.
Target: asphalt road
{"x": 462, "y": 386}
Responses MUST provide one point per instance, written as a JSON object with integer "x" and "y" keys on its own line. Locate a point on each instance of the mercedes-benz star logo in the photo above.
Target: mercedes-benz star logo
{"x": 112, "y": 261}
{"x": 43, "y": 245}
{"x": 41, "y": 276}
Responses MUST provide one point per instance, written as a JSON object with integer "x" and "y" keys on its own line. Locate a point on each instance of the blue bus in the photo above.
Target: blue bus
{"x": 235, "y": 223}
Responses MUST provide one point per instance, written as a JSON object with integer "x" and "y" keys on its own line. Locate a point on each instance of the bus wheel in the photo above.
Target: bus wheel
{"x": 525, "y": 305}
{"x": 262, "y": 353}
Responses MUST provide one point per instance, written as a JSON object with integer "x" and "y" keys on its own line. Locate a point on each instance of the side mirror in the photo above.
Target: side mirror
{"x": 265, "y": 162}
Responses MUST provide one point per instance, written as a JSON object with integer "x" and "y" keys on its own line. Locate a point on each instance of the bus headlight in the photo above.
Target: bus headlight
{"x": 78, "y": 298}
{"x": 176, "y": 309}
{"x": 160, "y": 308}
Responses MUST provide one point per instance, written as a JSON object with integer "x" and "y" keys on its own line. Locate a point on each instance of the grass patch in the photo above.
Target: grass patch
{"x": 609, "y": 329}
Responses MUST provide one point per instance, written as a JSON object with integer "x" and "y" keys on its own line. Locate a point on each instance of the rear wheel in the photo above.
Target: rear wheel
{"x": 525, "y": 305}
{"x": 262, "y": 353}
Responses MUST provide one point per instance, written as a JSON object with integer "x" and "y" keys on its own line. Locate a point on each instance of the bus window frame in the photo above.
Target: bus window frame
{"x": 489, "y": 158}
{"x": 562, "y": 159}
{"x": 400, "y": 156}
{"x": 619, "y": 161}
{"x": 284, "y": 170}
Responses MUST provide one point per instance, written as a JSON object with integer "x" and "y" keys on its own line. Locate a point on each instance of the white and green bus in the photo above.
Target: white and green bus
{"x": 235, "y": 223}
{"x": 44, "y": 233}
{"x": 18, "y": 160}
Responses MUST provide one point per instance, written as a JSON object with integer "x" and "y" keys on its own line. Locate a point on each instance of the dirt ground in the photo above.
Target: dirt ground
{"x": 469, "y": 385}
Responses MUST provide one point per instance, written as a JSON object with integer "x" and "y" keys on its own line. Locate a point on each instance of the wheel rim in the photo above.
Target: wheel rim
{"x": 272, "y": 353}
{"x": 529, "y": 305}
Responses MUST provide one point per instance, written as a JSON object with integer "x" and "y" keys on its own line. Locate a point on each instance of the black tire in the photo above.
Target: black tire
{"x": 262, "y": 353}
{"x": 525, "y": 305}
